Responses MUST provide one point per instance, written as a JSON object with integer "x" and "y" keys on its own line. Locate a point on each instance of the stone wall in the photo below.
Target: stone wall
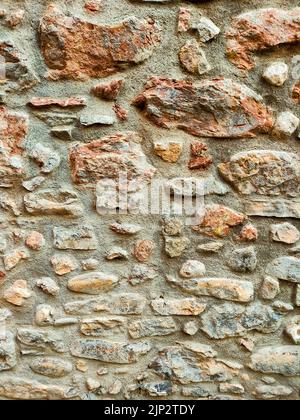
{"x": 97, "y": 306}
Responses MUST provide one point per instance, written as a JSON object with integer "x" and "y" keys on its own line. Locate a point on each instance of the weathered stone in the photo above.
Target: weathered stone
{"x": 103, "y": 50}
{"x": 44, "y": 315}
{"x": 212, "y": 108}
{"x": 175, "y": 247}
{"x": 284, "y": 360}
{"x": 116, "y": 253}
{"x": 17, "y": 293}
{"x": 184, "y": 19}
{"x": 263, "y": 172}
{"x": 108, "y": 91}
{"x": 13, "y": 131}
{"x": 43, "y": 340}
{"x": 227, "y": 320}
{"x": 249, "y": 233}
{"x": 8, "y": 359}
{"x": 276, "y": 74}
{"x": 121, "y": 112}
{"x": 243, "y": 260}
{"x": 191, "y": 328}
{"x": 47, "y": 158}
{"x": 286, "y": 124}
{"x": 213, "y": 247}
{"x": 293, "y": 329}
{"x": 22, "y": 389}
{"x": 33, "y": 183}
{"x": 193, "y": 187}
{"x": 90, "y": 120}
{"x": 207, "y": 29}
{"x": 273, "y": 208}
{"x": 270, "y": 288}
{"x": 98, "y": 326}
{"x": 152, "y": 327}
{"x": 231, "y": 389}
{"x": 191, "y": 363}
{"x": 49, "y": 286}
{"x": 179, "y": 307}
{"x": 285, "y": 232}
{"x": 51, "y": 367}
{"x": 35, "y": 241}
{"x": 197, "y": 392}
{"x": 221, "y": 288}
{"x": 296, "y": 93}
{"x": 172, "y": 226}
{"x": 125, "y": 228}
{"x": 169, "y": 152}
{"x": 90, "y": 264}
{"x": 63, "y": 202}
{"x": 109, "y": 352}
{"x": 266, "y": 392}
{"x": 93, "y": 283}
{"x": 13, "y": 258}
{"x": 18, "y": 76}
{"x": 143, "y": 250}
{"x": 59, "y": 102}
{"x": 159, "y": 389}
{"x": 297, "y": 298}
{"x": 218, "y": 221}
{"x": 141, "y": 274}
{"x": 285, "y": 268}
{"x": 282, "y": 307}
{"x": 200, "y": 158}
{"x": 260, "y": 30}
{"x": 81, "y": 238}
{"x": 15, "y": 18}
{"x": 192, "y": 269}
{"x": 193, "y": 58}
{"x": 125, "y": 304}
{"x": 63, "y": 264}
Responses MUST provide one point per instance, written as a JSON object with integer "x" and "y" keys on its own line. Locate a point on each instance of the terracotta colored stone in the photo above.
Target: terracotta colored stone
{"x": 76, "y": 49}
{"x": 249, "y": 233}
{"x": 13, "y": 131}
{"x": 184, "y": 19}
{"x": 201, "y": 159}
{"x": 218, "y": 221}
{"x": 62, "y": 103}
{"x": 93, "y": 6}
{"x": 17, "y": 293}
{"x": 260, "y": 30}
{"x": 218, "y": 108}
{"x": 108, "y": 157}
{"x": 108, "y": 91}
{"x": 143, "y": 250}
{"x": 121, "y": 113}
{"x": 35, "y": 241}
{"x": 296, "y": 92}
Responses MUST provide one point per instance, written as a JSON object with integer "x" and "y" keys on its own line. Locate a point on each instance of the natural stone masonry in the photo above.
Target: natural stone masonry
{"x": 100, "y": 300}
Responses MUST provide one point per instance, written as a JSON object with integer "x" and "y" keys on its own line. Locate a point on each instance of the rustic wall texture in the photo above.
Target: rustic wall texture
{"x": 97, "y": 306}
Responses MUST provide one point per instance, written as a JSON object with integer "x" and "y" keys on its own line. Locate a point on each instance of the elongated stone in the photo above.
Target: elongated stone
{"x": 8, "y": 354}
{"x": 152, "y": 327}
{"x": 51, "y": 367}
{"x": 285, "y": 268}
{"x": 109, "y": 352}
{"x": 221, "y": 288}
{"x": 182, "y": 307}
{"x": 93, "y": 283}
{"x": 218, "y": 108}
{"x": 284, "y": 360}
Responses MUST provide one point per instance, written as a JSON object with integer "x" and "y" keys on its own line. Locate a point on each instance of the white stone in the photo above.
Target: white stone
{"x": 276, "y": 74}
{"x": 192, "y": 269}
{"x": 286, "y": 124}
{"x": 207, "y": 29}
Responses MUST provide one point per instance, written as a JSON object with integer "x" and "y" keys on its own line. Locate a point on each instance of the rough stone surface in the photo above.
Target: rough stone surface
{"x": 149, "y": 200}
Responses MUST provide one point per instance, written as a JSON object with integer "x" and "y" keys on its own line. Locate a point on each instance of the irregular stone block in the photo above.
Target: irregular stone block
{"x": 218, "y": 108}
{"x": 280, "y": 172}
{"x": 51, "y": 367}
{"x": 221, "y": 288}
{"x": 282, "y": 360}
{"x": 260, "y": 30}
{"x": 179, "y": 306}
{"x": 285, "y": 268}
{"x": 102, "y": 50}
{"x": 8, "y": 354}
{"x": 273, "y": 208}
{"x": 62, "y": 202}
{"x": 30, "y": 337}
{"x": 152, "y": 328}
{"x": 109, "y": 352}
{"x": 81, "y": 238}
{"x": 98, "y": 326}
{"x": 227, "y": 320}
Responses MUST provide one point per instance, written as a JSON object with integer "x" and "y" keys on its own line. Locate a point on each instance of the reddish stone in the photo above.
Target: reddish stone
{"x": 108, "y": 157}
{"x": 76, "y": 49}
{"x": 260, "y": 30}
{"x": 201, "y": 159}
{"x": 143, "y": 250}
{"x": 108, "y": 91}
{"x": 184, "y": 19}
{"x": 218, "y": 108}
{"x": 93, "y": 6}
{"x": 296, "y": 93}
{"x": 120, "y": 112}
{"x": 218, "y": 221}
{"x": 62, "y": 103}
{"x": 249, "y": 233}
{"x": 13, "y": 130}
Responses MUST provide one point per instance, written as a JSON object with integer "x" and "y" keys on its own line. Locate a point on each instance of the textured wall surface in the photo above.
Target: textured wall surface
{"x": 99, "y": 306}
